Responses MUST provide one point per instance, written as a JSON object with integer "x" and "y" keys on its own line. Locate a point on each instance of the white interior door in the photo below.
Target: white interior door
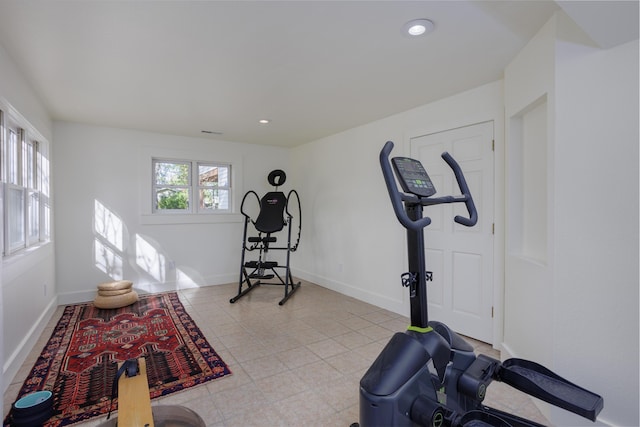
{"x": 461, "y": 258}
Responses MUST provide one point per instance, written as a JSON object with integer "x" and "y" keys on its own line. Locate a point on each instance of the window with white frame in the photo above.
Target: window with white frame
{"x": 25, "y": 184}
{"x": 184, "y": 186}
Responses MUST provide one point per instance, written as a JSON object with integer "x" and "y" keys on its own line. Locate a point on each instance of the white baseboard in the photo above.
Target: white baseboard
{"x": 357, "y": 293}
{"x": 506, "y": 352}
{"x": 14, "y": 362}
{"x": 76, "y": 297}
{"x": 146, "y": 288}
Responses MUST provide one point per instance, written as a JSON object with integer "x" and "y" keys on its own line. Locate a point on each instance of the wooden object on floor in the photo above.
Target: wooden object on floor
{"x": 134, "y": 402}
{"x": 115, "y": 294}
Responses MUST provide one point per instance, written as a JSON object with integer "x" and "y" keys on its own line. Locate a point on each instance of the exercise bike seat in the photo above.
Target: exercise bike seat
{"x": 456, "y": 342}
{"x": 271, "y": 216}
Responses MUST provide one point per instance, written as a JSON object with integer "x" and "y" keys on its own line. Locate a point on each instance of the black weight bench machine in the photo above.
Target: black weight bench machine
{"x": 274, "y": 215}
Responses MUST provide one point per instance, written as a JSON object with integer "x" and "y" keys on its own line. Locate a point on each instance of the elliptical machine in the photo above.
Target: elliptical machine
{"x": 429, "y": 375}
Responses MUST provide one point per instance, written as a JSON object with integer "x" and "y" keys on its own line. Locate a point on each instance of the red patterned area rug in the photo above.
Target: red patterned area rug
{"x": 79, "y": 362}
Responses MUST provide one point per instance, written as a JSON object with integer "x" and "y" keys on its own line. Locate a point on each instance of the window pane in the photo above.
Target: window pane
{"x": 213, "y": 176}
{"x": 24, "y": 161}
{"x": 30, "y": 167}
{"x": 214, "y": 199}
{"x": 43, "y": 173}
{"x": 171, "y": 173}
{"x": 12, "y": 157}
{"x": 223, "y": 176}
{"x": 34, "y": 216}
{"x": 223, "y": 199}
{"x": 15, "y": 218}
{"x": 24, "y": 170}
{"x": 46, "y": 219}
{"x": 172, "y": 198}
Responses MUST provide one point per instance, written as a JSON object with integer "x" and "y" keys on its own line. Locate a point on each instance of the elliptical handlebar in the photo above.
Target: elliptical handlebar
{"x": 397, "y": 198}
{"x": 464, "y": 189}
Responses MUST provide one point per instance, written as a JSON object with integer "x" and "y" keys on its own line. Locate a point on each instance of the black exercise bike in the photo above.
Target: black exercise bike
{"x": 429, "y": 375}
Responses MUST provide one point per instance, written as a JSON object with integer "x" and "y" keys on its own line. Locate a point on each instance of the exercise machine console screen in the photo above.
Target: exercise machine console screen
{"x": 412, "y": 176}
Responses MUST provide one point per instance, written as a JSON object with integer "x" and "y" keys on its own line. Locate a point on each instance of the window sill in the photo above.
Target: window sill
{"x": 175, "y": 219}
{"x": 22, "y": 254}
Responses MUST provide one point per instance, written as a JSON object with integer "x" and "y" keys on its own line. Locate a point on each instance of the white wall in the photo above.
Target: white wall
{"x": 108, "y": 170}
{"x": 27, "y": 281}
{"x": 529, "y": 114}
{"x": 352, "y": 242}
{"x": 577, "y": 308}
{"x": 15, "y": 89}
{"x": 596, "y": 215}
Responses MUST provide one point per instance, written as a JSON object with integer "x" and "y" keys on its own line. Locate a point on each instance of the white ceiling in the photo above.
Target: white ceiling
{"x": 314, "y": 68}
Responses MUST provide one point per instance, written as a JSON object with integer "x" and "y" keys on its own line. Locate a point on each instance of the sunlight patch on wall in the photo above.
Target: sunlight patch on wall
{"x": 108, "y": 225}
{"x": 150, "y": 260}
{"x": 184, "y": 281}
{"x": 107, "y": 260}
{"x": 109, "y": 241}
{"x": 113, "y": 254}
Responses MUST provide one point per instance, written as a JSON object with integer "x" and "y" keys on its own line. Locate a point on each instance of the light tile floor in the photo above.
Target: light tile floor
{"x": 297, "y": 364}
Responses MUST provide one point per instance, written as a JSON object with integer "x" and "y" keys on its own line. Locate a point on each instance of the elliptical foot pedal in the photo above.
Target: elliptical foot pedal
{"x": 540, "y": 382}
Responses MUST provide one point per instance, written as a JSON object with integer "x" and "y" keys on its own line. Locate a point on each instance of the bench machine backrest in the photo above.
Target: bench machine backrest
{"x": 271, "y": 216}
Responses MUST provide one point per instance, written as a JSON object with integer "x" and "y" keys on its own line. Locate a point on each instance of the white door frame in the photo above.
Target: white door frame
{"x": 499, "y": 201}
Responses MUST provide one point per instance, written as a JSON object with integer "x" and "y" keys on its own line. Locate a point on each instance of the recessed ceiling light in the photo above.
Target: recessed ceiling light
{"x": 418, "y": 27}
{"x": 264, "y": 121}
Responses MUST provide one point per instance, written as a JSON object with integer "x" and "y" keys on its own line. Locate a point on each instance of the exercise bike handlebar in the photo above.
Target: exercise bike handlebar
{"x": 397, "y": 198}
